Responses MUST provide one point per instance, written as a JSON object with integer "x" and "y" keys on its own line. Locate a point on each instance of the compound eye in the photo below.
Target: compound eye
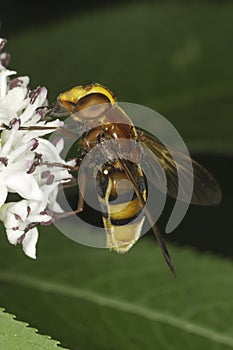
{"x": 92, "y": 106}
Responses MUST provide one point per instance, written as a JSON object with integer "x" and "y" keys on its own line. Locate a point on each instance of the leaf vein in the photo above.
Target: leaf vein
{"x": 120, "y": 305}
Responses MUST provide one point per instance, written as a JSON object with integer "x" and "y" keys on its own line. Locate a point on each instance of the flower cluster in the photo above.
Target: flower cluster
{"x": 24, "y": 154}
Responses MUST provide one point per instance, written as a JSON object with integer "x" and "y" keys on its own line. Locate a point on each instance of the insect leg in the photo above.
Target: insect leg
{"x": 80, "y": 204}
{"x": 60, "y": 165}
{"x": 62, "y": 130}
{"x": 36, "y": 127}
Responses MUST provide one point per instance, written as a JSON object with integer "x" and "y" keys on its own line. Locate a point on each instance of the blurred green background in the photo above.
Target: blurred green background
{"x": 175, "y": 57}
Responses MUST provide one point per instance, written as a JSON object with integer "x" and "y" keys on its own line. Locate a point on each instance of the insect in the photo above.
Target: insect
{"x": 120, "y": 181}
{"x": 95, "y": 109}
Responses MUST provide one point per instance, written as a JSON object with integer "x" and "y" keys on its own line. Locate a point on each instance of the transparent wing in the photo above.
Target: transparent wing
{"x": 154, "y": 227}
{"x": 206, "y": 190}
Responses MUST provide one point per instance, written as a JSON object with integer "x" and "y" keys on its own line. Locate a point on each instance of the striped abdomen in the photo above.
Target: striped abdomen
{"x": 121, "y": 208}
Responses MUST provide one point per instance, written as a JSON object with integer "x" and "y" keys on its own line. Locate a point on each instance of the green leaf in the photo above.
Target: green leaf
{"x": 18, "y": 336}
{"x": 173, "y": 57}
{"x": 94, "y": 299}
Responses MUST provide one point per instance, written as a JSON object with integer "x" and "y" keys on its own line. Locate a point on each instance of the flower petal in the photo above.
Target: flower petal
{"x": 52, "y": 203}
{"x": 60, "y": 145}
{"x": 25, "y": 185}
{"x": 50, "y": 151}
{"x": 13, "y": 235}
{"x": 12, "y": 136}
{"x": 3, "y": 194}
{"x": 29, "y": 243}
{"x": 32, "y": 106}
{"x": 3, "y": 81}
{"x": 14, "y": 98}
{"x": 40, "y": 218}
{"x": 19, "y": 208}
{"x": 37, "y": 206}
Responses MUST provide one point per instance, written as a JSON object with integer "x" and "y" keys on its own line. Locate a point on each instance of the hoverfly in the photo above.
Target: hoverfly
{"x": 95, "y": 109}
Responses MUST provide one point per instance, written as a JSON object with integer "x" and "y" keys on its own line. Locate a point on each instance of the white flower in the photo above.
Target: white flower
{"x": 17, "y": 218}
{"x": 23, "y": 157}
{"x": 14, "y": 157}
{"x": 49, "y": 179}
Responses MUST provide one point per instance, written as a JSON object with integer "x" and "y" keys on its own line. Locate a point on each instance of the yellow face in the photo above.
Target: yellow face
{"x": 87, "y": 102}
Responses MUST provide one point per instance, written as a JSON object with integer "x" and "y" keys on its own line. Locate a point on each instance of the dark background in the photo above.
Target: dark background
{"x": 19, "y": 15}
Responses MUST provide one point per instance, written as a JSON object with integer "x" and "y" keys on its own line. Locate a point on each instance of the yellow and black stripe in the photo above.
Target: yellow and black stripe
{"x": 121, "y": 208}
